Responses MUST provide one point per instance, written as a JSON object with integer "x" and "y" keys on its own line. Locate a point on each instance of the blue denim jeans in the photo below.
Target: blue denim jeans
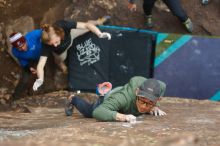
{"x": 84, "y": 107}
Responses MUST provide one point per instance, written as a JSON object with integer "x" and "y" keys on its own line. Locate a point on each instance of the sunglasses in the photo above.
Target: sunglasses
{"x": 146, "y": 103}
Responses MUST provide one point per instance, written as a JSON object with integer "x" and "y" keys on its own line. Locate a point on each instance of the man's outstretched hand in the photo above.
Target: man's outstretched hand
{"x": 130, "y": 118}
{"x": 157, "y": 112}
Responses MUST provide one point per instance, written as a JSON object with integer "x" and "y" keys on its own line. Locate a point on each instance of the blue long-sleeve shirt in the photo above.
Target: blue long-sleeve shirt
{"x": 34, "y": 46}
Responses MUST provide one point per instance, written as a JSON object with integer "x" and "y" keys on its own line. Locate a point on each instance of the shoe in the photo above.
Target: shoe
{"x": 149, "y": 21}
{"x": 205, "y": 2}
{"x": 18, "y": 108}
{"x": 188, "y": 25}
{"x": 13, "y": 104}
{"x": 68, "y": 106}
{"x": 105, "y": 20}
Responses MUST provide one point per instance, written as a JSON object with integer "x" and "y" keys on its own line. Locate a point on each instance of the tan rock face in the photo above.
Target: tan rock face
{"x": 4, "y": 95}
{"x": 106, "y": 4}
{"x": 3, "y": 3}
{"x": 188, "y": 123}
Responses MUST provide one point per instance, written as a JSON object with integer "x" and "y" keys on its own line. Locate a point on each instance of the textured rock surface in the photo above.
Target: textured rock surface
{"x": 204, "y": 18}
{"x": 188, "y": 123}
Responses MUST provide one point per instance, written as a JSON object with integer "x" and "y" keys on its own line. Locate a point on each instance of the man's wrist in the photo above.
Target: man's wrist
{"x": 120, "y": 117}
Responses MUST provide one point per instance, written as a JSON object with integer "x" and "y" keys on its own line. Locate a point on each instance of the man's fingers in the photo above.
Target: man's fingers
{"x": 156, "y": 113}
{"x": 161, "y": 113}
{"x": 130, "y": 118}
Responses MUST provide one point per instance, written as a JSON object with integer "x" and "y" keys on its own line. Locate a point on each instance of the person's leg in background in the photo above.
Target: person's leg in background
{"x": 20, "y": 88}
{"x": 148, "y": 7}
{"x": 205, "y": 2}
{"x": 177, "y": 10}
{"x": 22, "y": 85}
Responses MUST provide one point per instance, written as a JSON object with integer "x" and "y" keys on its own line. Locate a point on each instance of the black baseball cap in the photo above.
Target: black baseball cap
{"x": 150, "y": 89}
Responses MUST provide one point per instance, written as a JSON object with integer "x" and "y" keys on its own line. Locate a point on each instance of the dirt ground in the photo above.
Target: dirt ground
{"x": 188, "y": 123}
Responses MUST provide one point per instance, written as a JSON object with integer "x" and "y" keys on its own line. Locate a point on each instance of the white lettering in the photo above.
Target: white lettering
{"x": 88, "y": 52}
